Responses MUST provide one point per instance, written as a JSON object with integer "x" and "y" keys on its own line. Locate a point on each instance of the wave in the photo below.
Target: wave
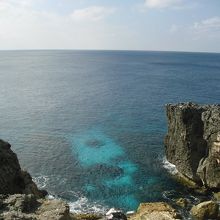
{"x": 169, "y": 166}
{"x": 79, "y": 206}
{"x": 41, "y": 181}
{"x": 83, "y": 205}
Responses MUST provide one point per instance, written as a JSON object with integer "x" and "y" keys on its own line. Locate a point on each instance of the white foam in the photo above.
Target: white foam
{"x": 169, "y": 166}
{"x": 130, "y": 212}
{"x": 50, "y": 197}
{"x": 41, "y": 181}
{"x": 83, "y": 205}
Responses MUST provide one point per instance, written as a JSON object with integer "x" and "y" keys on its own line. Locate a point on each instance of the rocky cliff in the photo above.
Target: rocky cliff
{"x": 193, "y": 142}
{"x": 12, "y": 178}
{"x": 19, "y": 196}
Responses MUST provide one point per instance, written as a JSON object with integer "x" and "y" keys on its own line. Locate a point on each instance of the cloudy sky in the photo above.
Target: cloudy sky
{"x": 176, "y": 25}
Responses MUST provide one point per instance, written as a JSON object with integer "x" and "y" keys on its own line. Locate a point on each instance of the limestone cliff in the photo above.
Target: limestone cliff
{"x": 193, "y": 141}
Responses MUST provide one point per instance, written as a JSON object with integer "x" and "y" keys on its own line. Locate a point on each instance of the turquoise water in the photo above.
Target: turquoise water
{"x": 89, "y": 125}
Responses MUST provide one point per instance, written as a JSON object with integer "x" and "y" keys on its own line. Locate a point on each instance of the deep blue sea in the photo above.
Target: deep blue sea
{"x": 89, "y": 125}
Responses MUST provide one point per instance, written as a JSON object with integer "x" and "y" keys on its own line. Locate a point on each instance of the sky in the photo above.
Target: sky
{"x": 164, "y": 25}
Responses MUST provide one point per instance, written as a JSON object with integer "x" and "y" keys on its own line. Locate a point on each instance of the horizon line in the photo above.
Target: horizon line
{"x": 119, "y": 50}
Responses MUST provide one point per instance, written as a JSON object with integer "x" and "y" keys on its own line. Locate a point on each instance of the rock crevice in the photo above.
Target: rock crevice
{"x": 192, "y": 142}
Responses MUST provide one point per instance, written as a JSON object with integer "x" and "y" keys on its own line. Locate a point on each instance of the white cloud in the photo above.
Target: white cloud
{"x": 93, "y": 13}
{"x": 208, "y": 25}
{"x": 24, "y": 27}
{"x": 158, "y": 4}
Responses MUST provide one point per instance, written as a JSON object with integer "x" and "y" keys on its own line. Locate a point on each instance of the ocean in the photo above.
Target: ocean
{"x": 89, "y": 125}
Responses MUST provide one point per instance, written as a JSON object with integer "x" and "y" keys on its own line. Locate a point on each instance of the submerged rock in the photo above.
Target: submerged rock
{"x": 154, "y": 211}
{"x": 193, "y": 142}
{"x": 205, "y": 210}
{"x": 95, "y": 143}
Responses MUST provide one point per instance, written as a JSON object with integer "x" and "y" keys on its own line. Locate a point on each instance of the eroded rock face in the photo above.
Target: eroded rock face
{"x": 184, "y": 142}
{"x": 193, "y": 141}
{"x": 12, "y": 178}
{"x": 209, "y": 168}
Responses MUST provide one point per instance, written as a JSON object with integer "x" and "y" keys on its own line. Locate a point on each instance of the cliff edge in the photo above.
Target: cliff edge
{"x": 19, "y": 196}
{"x": 192, "y": 142}
{"x": 12, "y": 179}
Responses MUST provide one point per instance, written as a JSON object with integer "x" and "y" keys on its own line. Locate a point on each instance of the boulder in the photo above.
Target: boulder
{"x": 153, "y": 211}
{"x": 53, "y": 210}
{"x": 205, "y": 210}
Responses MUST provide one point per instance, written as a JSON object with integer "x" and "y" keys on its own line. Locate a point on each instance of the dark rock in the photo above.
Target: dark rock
{"x": 21, "y": 202}
{"x": 193, "y": 142}
{"x": 105, "y": 171}
{"x": 12, "y": 179}
{"x": 10, "y": 172}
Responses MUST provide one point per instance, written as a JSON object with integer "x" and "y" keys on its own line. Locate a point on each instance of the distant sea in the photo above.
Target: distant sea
{"x": 89, "y": 125}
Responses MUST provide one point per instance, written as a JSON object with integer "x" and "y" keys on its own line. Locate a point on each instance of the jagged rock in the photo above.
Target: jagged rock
{"x": 12, "y": 179}
{"x": 53, "y": 210}
{"x": 19, "y": 196}
{"x": 153, "y": 211}
{"x": 184, "y": 142}
{"x": 193, "y": 142}
{"x": 205, "y": 210}
{"x": 21, "y": 202}
{"x": 21, "y": 206}
{"x": 209, "y": 167}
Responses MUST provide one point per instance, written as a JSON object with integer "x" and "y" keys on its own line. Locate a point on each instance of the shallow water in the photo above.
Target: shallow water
{"x": 89, "y": 125}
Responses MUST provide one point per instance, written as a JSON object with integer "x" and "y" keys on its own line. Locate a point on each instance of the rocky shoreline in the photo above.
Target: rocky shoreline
{"x": 192, "y": 144}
